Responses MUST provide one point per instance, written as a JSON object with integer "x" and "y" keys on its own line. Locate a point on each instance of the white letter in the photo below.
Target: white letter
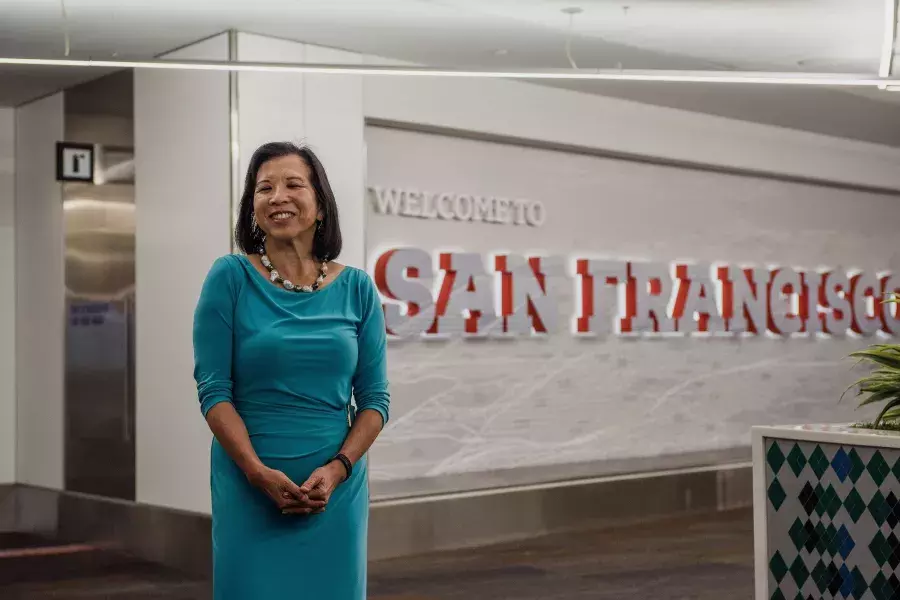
{"x": 647, "y": 303}
{"x": 700, "y": 279}
{"x": 785, "y": 306}
{"x": 535, "y": 215}
{"x": 744, "y": 297}
{"x": 464, "y": 208}
{"x": 502, "y": 211}
{"x": 527, "y": 293}
{"x": 838, "y": 301}
{"x": 601, "y": 274}
{"x": 865, "y": 291}
{"x": 484, "y": 209}
{"x": 445, "y": 207}
{"x": 407, "y": 274}
{"x": 386, "y": 201}
{"x": 468, "y": 271}
{"x": 411, "y": 207}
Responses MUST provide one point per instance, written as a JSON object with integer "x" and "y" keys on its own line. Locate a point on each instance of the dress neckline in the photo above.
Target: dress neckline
{"x": 269, "y": 284}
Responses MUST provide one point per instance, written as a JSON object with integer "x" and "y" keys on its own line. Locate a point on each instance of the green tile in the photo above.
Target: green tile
{"x": 818, "y": 461}
{"x": 822, "y": 543}
{"x": 880, "y": 550}
{"x": 820, "y": 576}
{"x": 778, "y": 567}
{"x": 775, "y": 457}
{"x": 798, "y": 534}
{"x": 832, "y": 502}
{"x": 854, "y": 505}
{"x": 896, "y": 470}
{"x": 831, "y": 543}
{"x": 777, "y": 494}
{"x": 799, "y": 571}
{"x": 879, "y": 509}
{"x": 858, "y": 466}
{"x": 796, "y": 460}
{"x": 820, "y": 496}
{"x": 878, "y": 468}
{"x": 880, "y": 588}
{"x": 859, "y": 584}
{"x": 778, "y": 595}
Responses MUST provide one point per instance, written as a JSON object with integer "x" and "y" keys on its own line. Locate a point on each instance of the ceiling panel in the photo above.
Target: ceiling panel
{"x": 809, "y": 35}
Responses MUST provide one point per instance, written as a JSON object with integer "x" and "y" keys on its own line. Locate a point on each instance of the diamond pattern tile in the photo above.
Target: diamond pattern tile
{"x": 878, "y": 468}
{"x": 797, "y": 460}
{"x": 776, "y": 494}
{"x": 840, "y": 463}
{"x": 777, "y": 567}
{"x": 818, "y": 461}
{"x": 854, "y": 505}
{"x": 775, "y": 457}
{"x": 834, "y": 521}
{"x": 858, "y": 467}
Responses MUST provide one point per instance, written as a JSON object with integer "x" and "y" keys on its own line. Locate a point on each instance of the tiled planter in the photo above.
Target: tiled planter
{"x": 826, "y": 512}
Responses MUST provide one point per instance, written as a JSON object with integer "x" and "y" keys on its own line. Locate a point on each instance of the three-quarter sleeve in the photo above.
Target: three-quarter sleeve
{"x": 213, "y": 335}
{"x": 370, "y": 382}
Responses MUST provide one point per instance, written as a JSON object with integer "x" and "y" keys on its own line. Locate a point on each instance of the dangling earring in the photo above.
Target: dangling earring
{"x": 257, "y": 233}
{"x": 319, "y": 227}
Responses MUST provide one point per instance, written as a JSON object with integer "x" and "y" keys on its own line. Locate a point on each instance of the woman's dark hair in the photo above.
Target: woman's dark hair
{"x": 327, "y": 241}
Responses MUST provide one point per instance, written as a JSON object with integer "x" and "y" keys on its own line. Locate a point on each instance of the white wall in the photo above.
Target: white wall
{"x": 534, "y": 112}
{"x": 182, "y": 191}
{"x": 7, "y": 298}
{"x": 40, "y": 297}
{"x": 465, "y": 407}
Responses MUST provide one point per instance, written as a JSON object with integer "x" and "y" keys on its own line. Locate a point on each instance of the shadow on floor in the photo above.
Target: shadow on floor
{"x": 707, "y": 557}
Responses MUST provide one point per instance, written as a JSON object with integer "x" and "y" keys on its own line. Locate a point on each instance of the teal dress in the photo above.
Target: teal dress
{"x": 289, "y": 363}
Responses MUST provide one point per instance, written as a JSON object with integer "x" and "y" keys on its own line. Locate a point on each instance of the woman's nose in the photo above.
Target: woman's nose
{"x": 279, "y": 196}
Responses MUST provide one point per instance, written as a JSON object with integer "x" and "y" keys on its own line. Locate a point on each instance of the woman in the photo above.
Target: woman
{"x": 283, "y": 337}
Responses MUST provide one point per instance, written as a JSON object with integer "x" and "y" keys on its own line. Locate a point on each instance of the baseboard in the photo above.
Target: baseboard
{"x": 402, "y": 526}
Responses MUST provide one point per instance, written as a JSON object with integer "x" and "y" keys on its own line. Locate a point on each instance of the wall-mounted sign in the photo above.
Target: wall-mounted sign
{"x": 456, "y": 294}
{"x": 74, "y": 162}
{"x": 408, "y": 202}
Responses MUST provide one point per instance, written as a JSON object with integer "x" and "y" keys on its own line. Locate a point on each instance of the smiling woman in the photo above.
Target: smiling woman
{"x": 283, "y": 337}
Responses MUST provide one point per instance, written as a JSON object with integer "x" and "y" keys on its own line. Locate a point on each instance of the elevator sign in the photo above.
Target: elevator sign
{"x": 74, "y": 162}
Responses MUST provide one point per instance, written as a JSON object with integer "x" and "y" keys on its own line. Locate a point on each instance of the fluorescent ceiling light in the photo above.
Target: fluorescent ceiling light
{"x": 819, "y": 79}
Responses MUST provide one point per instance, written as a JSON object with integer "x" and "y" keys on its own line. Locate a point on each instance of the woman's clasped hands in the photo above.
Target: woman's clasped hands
{"x": 310, "y": 498}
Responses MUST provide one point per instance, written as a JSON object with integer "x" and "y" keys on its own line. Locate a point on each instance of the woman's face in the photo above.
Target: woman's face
{"x": 284, "y": 200}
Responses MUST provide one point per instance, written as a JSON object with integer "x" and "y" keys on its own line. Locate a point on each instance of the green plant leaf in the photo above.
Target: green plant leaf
{"x": 890, "y": 405}
{"x": 892, "y": 415}
{"x": 883, "y": 357}
{"x": 880, "y": 397}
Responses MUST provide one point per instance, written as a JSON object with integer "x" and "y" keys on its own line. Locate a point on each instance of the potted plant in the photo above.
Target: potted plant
{"x": 882, "y": 385}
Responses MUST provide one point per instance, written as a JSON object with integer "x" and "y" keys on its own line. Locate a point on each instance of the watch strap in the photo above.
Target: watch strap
{"x": 348, "y": 466}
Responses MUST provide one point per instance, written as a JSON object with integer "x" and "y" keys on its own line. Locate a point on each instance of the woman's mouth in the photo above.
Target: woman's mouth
{"x": 282, "y": 216}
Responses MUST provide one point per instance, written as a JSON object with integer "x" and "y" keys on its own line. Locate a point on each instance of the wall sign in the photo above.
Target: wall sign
{"x": 74, "y": 162}
{"x": 455, "y": 294}
{"x": 408, "y": 202}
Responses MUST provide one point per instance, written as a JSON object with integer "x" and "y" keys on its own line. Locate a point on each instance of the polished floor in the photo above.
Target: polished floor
{"x": 703, "y": 557}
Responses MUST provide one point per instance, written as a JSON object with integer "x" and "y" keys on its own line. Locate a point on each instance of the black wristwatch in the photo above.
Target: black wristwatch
{"x": 348, "y": 466}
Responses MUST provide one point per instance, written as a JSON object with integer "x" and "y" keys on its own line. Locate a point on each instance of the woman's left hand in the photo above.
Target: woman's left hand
{"x": 321, "y": 484}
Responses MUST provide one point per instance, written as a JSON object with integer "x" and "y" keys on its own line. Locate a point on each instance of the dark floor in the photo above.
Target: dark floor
{"x": 701, "y": 558}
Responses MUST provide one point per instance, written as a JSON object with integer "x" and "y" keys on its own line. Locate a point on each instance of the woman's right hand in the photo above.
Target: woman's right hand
{"x": 286, "y": 494}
